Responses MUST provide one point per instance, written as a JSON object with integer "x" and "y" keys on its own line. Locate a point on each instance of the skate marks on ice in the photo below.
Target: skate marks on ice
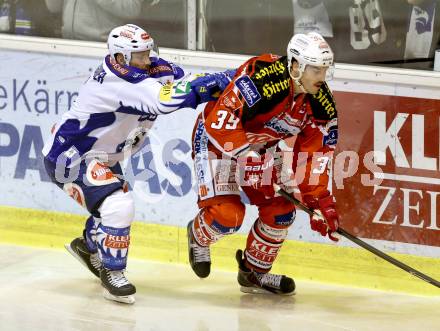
{"x": 48, "y": 289}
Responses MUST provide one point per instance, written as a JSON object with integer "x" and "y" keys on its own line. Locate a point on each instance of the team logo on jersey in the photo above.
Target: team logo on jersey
{"x": 99, "y": 174}
{"x": 76, "y": 193}
{"x": 248, "y": 90}
{"x": 231, "y": 101}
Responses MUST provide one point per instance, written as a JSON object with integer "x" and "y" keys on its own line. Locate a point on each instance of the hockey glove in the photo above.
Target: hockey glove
{"x": 208, "y": 87}
{"x": 224, "y": 78}
{"x": 259, "y": 173}
{"x": 328, "y": 220}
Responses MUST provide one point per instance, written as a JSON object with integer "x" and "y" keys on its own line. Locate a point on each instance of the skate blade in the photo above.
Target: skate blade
{"x": 75, "y": 255}
{"x": 128, "y": 299}
{"x": 257, "y": 290}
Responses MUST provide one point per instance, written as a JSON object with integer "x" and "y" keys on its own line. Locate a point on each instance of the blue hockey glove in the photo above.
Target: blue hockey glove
{"x": 209, "y": 86}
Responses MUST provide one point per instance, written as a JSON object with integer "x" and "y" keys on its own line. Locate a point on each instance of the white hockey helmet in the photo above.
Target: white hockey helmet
{"x": 309, "y": 49}
{"x": 128, "y": 39}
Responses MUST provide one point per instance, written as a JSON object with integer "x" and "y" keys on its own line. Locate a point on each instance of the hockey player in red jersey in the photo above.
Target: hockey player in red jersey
{"x": 235, "y": 140}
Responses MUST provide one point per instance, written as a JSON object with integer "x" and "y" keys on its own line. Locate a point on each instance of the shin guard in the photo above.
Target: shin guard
{"x": 263, "y": 245}
{"x": 113, "y": 246}
{"x": 204, "y": 234}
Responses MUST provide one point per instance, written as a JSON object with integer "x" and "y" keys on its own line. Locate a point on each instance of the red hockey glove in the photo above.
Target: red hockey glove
{"x": 259, "y": 173}
{"x": 328, "y": 223}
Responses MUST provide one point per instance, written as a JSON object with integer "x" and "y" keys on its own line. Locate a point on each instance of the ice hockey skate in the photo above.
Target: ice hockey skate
{"x": 116, "y": 286}
{"x": 80, "y": 251}
{"x": 199, "y": 256}
{"x": 262, "y": 283}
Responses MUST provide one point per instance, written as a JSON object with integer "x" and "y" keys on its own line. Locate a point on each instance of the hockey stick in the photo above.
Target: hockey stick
{"x": 360, "y": 242}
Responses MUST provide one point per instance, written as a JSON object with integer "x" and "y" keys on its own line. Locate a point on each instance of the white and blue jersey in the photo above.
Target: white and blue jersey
{"x": 115, "y": 108}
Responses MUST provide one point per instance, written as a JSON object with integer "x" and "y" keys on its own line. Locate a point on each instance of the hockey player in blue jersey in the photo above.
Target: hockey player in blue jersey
{"x": 108, "y": 123}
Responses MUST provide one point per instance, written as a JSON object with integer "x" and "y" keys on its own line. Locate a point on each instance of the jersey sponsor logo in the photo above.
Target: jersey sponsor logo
{"x": 332, "y": 137}
{"x": 200, "y": 139}
{"x": 259, "y": 138}
{"x": 203, "y": 191}
{"x": 117, "y": 67}
{"x": 266, "y": 165}
{"x": 263, "y": 252}
{"x": 231, "y": 101}
{"x": 224, "y": 171}
{"x": 286, "y": 219}
{"x": 219, "y": 228}
{"x": 159, "y": 69}
{"x": 248, "y": 90}
{"x": 99, "y": 174}
{"x": 267, "y": 250}
{"x": 276, "y": 68}
{"x": 328, "y": 105}
{"x": 76, "y": 193}
{"x": 284, "y": 125}
{"x": 223, "y": 189}
{"x": 201, "y": 162}
{"x": 271, "y": 88}
{"x": 117, "y": 242}
{"x": 165, "y": 93}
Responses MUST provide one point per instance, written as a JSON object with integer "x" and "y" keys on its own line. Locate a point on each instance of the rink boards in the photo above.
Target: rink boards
{"x": 397, "y": 210}
{"x": 298, "y": 259}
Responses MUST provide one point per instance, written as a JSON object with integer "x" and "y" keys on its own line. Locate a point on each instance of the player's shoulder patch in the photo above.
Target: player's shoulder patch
{"x": 248, "y": 90}
{"x": 331, "y": 128}
{"x": 231, "y": 101}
